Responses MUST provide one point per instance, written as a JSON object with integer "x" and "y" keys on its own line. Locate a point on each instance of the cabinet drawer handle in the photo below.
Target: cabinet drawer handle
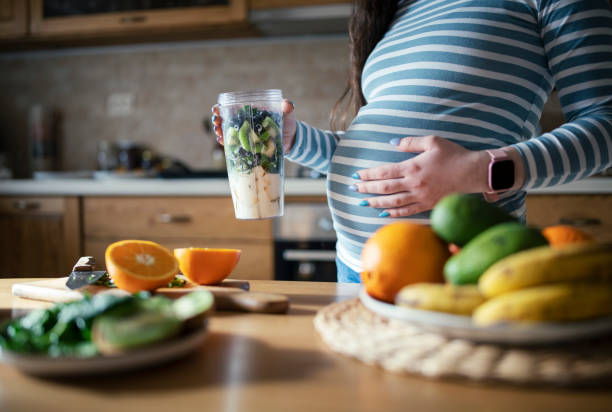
{"x": 580, "y": 221}
{"x": 168, "y": 218}
{"x": 133, "y": 19}
{"x": 26, "y": 205}
{"x": 292, "y": 255}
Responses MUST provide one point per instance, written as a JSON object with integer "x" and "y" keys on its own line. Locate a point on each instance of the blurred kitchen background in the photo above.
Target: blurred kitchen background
{"x": 90, "y": 85}
{"x": 66, "y": 107}
{"x": 114, "y": 89}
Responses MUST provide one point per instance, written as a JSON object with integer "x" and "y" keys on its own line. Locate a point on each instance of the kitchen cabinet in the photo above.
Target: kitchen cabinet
{"x": 589, "y": 213}
{"x": 40, "y": 235}
{"x": 180, "y": 222}
{"x": 49, "y": 18}
{"x": 269, "y": 4}
{"x": 40, "y": 23}
{"x": 13, "y": 19}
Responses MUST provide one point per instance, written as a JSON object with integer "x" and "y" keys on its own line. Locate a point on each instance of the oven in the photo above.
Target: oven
{"x": 305, "y": 244}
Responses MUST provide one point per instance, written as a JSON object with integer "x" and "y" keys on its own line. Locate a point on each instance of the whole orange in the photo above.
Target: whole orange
{"x": 399, "y": 254}
{"x": 559, "y": 235}
{"x": 206, "y": 266}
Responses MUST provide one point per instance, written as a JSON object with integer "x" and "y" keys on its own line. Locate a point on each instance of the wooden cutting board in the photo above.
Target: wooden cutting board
{"x": 229, "y": 295}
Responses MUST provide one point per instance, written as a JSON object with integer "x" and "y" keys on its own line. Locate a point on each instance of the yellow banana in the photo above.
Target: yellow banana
{"x": 544, "y": 265}
{"x": 554, "y": 303}
{"x": 439, "y": 297}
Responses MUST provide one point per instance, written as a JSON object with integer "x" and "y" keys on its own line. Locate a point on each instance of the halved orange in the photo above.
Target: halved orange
{"x": 136, "y": 265}
{"x": 206, "y": 266}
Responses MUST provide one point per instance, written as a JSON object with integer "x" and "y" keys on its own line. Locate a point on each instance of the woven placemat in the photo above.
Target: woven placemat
{"x": 351, "y": 329}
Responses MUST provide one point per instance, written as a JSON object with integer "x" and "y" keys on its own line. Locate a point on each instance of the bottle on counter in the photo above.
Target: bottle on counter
{"x": 107, "y": 155}
{"x": 43, "y": 129}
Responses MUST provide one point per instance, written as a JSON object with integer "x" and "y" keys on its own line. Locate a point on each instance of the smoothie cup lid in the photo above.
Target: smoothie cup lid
{"x": 250, "y": 96}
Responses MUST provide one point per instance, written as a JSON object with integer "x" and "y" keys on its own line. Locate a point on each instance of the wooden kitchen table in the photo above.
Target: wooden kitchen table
{"x": 253, "y": 362}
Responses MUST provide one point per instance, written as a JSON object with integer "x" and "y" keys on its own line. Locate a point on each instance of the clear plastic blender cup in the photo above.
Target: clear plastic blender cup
{"x": 253, "y": 140}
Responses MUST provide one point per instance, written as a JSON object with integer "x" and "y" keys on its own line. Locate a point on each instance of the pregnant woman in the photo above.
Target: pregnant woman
{"x": 446, "y": 96}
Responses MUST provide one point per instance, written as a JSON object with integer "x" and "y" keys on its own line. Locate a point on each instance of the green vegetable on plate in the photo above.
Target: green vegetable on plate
{"x": 104, "y": 323}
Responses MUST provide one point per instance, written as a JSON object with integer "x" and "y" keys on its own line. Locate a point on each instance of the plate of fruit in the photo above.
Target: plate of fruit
{"x": 479, "y": 274}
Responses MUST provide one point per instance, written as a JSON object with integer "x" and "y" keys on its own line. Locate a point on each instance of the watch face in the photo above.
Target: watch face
{"x": 502, "y": 175}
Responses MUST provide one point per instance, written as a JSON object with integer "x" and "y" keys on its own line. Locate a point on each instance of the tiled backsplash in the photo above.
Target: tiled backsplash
{"x": 173, "y": 87}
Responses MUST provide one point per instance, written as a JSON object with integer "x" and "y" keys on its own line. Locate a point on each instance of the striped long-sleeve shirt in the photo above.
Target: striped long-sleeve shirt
{"x": 478, "y": 73}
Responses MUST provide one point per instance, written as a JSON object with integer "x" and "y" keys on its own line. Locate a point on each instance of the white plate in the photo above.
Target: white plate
{"x": 164, "y": 351}
{"x": 457, "y": 326}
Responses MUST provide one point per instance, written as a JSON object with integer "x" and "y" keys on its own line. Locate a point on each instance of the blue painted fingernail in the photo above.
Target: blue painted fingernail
{"x": 383, "y": 214}
{"x": 352, "y": 188}
{"x": 292, "y": 104}
{"x": 364, "y": 203}
{"x": 355, "y": 176}
{"x": 395, "y": 141}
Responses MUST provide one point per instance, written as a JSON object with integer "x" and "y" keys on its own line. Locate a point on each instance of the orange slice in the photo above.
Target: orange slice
{"x": 136, "y": 265}
{"x": 206, "y": 266}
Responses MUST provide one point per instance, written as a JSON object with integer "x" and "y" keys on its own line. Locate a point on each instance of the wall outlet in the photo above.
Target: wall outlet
{"x": 120, "y": 104}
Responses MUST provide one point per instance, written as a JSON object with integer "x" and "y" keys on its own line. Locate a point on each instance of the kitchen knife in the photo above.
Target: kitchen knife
{"x": 83, "y": 274}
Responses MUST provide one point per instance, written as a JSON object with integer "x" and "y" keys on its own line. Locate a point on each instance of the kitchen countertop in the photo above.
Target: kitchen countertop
{"x": 258, "y": 362}
{"x": 219, "y": 187}
{"x": 145, "y": 187}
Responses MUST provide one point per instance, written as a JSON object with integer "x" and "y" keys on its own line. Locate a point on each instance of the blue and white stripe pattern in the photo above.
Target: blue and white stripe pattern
{"x": 477, "y": 72}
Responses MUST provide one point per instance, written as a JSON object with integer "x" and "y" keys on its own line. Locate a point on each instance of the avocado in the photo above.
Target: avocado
{"x": 487, "y": 248}
{"x": 131, "y": 326}
{"x": 458, "y": 218}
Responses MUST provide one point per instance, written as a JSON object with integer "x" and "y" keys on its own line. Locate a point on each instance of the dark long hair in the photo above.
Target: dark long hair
{"x": 368, "y": 23}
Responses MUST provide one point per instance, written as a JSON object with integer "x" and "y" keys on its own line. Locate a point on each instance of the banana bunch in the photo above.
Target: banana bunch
{"x": 548, "y": 284}
{"x": 541, "y": 284}
{"x": 557, "y": 302}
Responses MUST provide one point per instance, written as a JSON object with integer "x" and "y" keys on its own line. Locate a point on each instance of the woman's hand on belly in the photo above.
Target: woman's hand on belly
{"x": 415, "y": 185}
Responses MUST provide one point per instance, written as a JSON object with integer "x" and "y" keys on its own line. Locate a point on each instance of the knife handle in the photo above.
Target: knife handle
{"x": 84, "y": 264}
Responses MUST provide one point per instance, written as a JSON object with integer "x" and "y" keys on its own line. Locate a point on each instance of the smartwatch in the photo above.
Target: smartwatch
{"x": 501, "y": 172}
